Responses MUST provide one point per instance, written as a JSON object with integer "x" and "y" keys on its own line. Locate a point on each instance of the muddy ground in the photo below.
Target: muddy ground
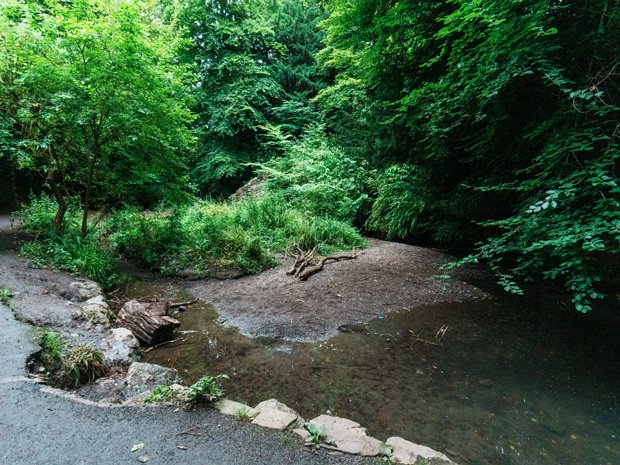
{"x": 385, "y": 277}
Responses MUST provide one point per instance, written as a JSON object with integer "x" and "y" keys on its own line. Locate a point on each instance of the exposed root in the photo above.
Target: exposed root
{"x": 307, "y": 263}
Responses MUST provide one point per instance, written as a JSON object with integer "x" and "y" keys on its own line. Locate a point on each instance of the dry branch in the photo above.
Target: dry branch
{"x": 306, "y": 262}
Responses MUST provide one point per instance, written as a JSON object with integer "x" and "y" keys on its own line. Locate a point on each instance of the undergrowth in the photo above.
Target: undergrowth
{"x": 208, "y": 235}
{"x": 65, "y": 363}
{"x": 205, "y": 236}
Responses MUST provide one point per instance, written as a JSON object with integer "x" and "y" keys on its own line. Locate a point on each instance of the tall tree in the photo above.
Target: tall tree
{"x": 257, "y": 68}
{"x": 93, "y": 99}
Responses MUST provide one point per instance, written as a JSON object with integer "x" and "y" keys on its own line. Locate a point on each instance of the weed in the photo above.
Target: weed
{"x": 161, "y": 393}
{"x": 83, "y": 364}
{"x": 206, "y": 389}
{"x": 317, "y": 434}
{"x": 243, "y": 414}
{"x": 6, "y": 296}
{"x": 285, "y": 439}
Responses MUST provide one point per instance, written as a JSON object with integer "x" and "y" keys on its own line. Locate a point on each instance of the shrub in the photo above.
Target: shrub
{"x": 315, "y": 177}
{"x": 71, "y": 253}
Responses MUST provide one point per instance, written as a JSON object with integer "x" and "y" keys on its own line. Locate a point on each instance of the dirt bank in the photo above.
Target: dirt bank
{"x": 385, "y": 277}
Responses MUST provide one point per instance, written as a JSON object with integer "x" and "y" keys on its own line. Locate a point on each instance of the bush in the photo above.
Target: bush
{"x": 315, "y": 177}
{"x": 71, "y": 253}
{"x": 206, "y": 234}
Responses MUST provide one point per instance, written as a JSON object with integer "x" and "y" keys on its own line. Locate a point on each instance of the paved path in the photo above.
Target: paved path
{"x": 41, "y": 426}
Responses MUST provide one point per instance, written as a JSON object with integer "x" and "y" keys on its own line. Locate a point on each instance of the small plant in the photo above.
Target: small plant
{"x": 51, "y": 343}
{"x": 207, "y": 388}
{"x": 161, "y": 393}
{"x": 6, "y": 296}
{"x": 83, "y": 364}
{"x": 317, "y": 435}
{"x": 243, "y": 414}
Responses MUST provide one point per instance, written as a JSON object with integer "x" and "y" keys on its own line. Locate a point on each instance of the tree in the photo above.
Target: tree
{"x": 255, "y": 59}
{"x": 507, "y": 114}
{"x": 93, "y": 98}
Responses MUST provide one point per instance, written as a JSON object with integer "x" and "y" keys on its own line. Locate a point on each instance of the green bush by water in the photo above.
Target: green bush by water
{"x": 242, "y": 234}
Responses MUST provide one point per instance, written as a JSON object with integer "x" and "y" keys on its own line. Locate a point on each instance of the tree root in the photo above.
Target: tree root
{"x": 307, "y": 263}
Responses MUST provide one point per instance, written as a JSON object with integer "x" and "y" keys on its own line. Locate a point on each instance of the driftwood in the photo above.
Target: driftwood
{"x": 307, "y": 263}
{"x": 148, "y": 321}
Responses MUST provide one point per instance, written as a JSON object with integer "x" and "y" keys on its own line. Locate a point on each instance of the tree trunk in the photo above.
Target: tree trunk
{"x": 149, "y": 322}
{"x": 62, "y": 208}
{"x": 89, "y": 185}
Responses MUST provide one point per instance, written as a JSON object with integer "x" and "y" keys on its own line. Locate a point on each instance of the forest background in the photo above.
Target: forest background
{"x": 488, "y": 127}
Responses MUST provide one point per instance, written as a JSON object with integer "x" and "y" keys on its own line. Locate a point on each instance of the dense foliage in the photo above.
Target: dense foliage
{"x": 92, "y": 99}
{"x": 487, "y": 125}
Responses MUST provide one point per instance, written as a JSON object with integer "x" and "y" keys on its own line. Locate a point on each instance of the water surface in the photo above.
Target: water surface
{"x": 513, "y": 380}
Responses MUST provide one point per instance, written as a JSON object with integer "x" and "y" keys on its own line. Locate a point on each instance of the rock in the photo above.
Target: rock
{"x": 83, "y": 289}
{"x": 407, "y": 452}
{"x": 121, "y": 347}
{"x": 95, "y": 310}
{"x": 348, "y": 436}
{"x": 275, "y": 415}
{"x": 303, "y": 432}
{"x": 230, "y": 407}
{"x": 182, "y": 393}
{"x": 142, "y": 377}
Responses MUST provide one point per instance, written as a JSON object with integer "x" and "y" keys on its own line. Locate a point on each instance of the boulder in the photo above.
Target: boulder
{"x": 95, "y": 310}
{"x": 407, "y": 452}
{"x": 143, "y": 377}
{"x": 348, "y": 436}
{"x": 121, "y": 347}
{"x": 275, "y": 415}
{"x": 230, "y": 407}
{"x": 83, "y": 289}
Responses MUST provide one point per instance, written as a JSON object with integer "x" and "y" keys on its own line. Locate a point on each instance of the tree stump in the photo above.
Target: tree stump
{"x": 149, "y": 321}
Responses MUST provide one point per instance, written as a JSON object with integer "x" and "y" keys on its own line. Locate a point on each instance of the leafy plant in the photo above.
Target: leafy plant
{"x": 52, "y": 345}
{"x": 207, "y": 388}
{"x": 317, "y": 434}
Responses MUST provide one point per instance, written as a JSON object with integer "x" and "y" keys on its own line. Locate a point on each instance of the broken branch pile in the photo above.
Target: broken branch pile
{"x": 308, "y": 263}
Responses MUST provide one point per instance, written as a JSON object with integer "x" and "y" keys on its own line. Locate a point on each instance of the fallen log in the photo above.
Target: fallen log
{"x": 149, "y": 321}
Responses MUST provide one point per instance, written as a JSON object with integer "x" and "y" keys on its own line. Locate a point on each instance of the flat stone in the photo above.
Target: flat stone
{"x": 348, "y": 436}
{"x": 232, "y": 408}
{"x": 407, "y": 452}
{"x": 121, "y": 347}
{"x": 275, "y": 415}
{"x": 142, "y": 377}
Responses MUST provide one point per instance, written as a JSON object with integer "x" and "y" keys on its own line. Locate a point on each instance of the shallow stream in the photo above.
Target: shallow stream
{"x": 513, "y": 380}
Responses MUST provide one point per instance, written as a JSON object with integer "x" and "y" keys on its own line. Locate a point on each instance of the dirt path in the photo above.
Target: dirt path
{"x": 385, "y": 277}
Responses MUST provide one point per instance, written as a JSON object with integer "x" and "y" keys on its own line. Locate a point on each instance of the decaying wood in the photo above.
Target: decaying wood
{"x": 148, "y": 321}
{"x": 307, "y": 263}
